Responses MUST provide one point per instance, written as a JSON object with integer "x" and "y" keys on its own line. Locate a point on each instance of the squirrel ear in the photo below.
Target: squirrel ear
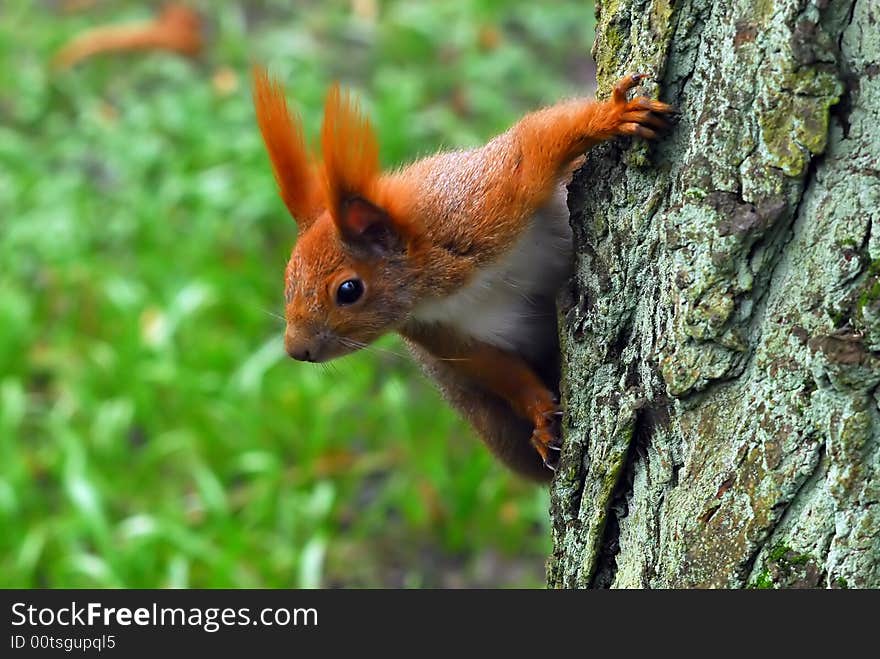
{"x": 292, "y": 165}
{"x": 351, "y": 168}
{"x": 365, "y": 225}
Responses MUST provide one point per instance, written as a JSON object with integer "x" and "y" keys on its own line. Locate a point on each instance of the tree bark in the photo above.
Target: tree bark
{"x": 721, "y": 335}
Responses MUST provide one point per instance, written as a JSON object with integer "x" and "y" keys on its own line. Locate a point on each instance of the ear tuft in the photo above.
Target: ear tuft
{"x": 291, "y": 163}
{"x": 351, "y": 155}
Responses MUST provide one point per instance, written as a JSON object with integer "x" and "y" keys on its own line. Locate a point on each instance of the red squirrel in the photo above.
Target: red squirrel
{"x": 461, "y": 253}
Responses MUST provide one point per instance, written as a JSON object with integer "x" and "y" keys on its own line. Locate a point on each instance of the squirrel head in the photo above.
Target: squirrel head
{"x": 349, "y": 277}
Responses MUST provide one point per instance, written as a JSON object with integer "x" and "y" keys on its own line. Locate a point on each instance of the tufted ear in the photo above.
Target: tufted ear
{"x": 351, "y": 175}
{"x": 292, "y": 165}
{"x": 364, "y": 225}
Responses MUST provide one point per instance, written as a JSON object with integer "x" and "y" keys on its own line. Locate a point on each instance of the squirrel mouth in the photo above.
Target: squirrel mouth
{"x": 317, "y": 354}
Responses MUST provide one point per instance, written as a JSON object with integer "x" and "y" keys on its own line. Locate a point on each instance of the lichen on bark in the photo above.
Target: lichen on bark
{"x": 721, "y": 335}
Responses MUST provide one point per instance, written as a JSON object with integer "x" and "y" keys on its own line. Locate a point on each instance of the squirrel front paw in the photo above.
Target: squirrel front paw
{"x": 547, "y": 438}
{"x": 641, "y": 116}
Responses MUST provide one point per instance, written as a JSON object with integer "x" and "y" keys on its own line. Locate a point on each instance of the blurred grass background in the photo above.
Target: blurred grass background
{"x": 152, "y": 433}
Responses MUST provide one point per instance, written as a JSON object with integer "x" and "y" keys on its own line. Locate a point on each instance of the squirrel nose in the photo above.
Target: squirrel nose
{"x": 303, "y": 351}
{"x": 300, "y": 354}
{"x": 302, "y": 345}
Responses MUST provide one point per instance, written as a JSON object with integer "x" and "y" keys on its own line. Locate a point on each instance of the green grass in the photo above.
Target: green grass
{"x": 152, "y": 433}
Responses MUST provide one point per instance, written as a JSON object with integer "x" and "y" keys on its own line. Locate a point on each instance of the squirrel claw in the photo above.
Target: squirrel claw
{"x": 546, "y": 438}
{"x": 642, "y": 116}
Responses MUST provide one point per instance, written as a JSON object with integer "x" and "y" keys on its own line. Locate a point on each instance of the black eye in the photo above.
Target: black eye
{"x": 349, "y": 292}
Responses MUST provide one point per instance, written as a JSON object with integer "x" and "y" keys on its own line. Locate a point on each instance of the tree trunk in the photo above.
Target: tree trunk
{"x": 722, "y": 332}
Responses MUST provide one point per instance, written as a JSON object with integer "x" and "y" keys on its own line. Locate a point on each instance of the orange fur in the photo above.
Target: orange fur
{"x": 350, "y": 150}
{"x": 425, "y": 241}
{"x": 503, "y": 374}
{"x": 291, "y": 163}
{"x": 515, "y": 172}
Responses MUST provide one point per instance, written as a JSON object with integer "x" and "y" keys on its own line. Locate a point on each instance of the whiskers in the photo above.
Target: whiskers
{"x": 330, "y": 368}
{"x": 274, "y": 315}
{"x": 359, "y": 345}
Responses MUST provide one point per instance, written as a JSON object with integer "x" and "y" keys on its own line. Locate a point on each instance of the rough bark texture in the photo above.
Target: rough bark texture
{"x": 722, "y": 332}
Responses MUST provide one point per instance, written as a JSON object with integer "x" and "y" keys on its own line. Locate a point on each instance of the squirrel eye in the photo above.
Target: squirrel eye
{"x": 349, "y": 292}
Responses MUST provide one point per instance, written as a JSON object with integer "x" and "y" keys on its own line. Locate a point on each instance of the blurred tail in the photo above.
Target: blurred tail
{"x": 176, "y": 29}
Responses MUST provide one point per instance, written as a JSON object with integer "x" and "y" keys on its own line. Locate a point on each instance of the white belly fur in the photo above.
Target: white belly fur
{"x": 499, "y": 305}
